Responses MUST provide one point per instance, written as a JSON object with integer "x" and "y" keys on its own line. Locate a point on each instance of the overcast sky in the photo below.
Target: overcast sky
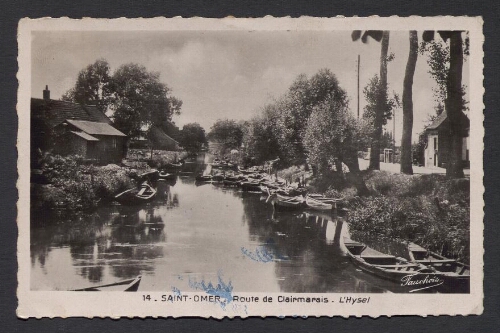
{"x": 224, "y": 74}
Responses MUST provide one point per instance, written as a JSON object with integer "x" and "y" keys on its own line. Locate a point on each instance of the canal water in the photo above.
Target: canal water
{"x": 193, "y": 234}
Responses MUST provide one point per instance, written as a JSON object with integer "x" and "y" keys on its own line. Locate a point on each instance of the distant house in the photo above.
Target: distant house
{"x": 155, "y": 138}
{"x": 76, "y": 130}
{"x": 438, "y": 141}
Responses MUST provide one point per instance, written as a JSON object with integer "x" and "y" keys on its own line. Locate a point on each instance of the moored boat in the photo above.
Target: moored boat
{"x": 167, "y": 176}
{"x": 173, "y": 166}
{"x": 203, "y": 178}
{"x": 387, "y": 266}
{"x": 251, "y": 187}
{"x": 456, "y": 273}
{"x": 284, "y": 203}
{"x": 125, "y": 285}
{"x": 143, "y": 194}
{"x": 315, "y": 204}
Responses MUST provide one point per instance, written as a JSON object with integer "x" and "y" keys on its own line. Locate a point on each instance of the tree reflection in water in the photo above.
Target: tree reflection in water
{"x": 124, "y": 238}
{"x": 311, "y": 243}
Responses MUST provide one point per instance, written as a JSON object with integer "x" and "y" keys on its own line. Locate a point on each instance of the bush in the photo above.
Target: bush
{"x": 435, "y": 222}
{"x": 75, "y": 187}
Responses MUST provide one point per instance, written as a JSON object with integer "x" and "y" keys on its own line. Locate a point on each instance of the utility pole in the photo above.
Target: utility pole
{"x": 394, "y": 136}
{"x": 359, "y": 60}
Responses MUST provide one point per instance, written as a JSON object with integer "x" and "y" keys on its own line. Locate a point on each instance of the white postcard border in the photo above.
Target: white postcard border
{"x": 114, "y": 304}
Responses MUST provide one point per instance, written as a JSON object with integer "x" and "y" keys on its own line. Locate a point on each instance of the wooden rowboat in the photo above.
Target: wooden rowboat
{"x": 251, "y": 187}
{"x": 314, "y": 204}
{"x": 126, "y": 285}
{"x": 143, "y": 194}
{"x": 202, "y": 178}
{"x": 452, "y": 268}
{"x": 284, "y": 203}
{"x": 385, "y": 265}
{"x": 167, "y": 176}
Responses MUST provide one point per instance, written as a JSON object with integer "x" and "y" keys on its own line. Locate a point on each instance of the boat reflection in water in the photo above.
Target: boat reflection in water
{"x": 189, "y": 234}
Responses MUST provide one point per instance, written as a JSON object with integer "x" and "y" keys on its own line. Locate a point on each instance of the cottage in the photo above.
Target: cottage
{"x": 75, "y": 129}
{"x": 438, "y": 141}
{"x": 155, "y": 138}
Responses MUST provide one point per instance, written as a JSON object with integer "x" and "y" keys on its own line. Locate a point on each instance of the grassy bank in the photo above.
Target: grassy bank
{"x": 427, "y": 209}
{"x": 72, "y": 187}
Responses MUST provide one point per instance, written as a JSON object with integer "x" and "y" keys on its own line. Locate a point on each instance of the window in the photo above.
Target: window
{"x": 113, "y": 142}
{"x": 435, "y": 143}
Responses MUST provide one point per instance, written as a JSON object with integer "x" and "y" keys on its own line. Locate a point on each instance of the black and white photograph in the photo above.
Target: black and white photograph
{"x": 243, "y": 170}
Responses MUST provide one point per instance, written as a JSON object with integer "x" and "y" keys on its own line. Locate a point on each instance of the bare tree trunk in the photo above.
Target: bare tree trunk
{"x": 351, "y": 160}
{"x": 454, "y": 168}
{"x": 406, "y": 158}
{"x": 381, "y": 101}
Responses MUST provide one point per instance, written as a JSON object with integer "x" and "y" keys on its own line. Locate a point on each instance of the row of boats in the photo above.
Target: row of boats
{"x": 424, "y": 269}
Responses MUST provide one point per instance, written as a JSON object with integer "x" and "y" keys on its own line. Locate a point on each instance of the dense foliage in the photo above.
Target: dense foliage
{"x": 227, "y": 134}
{"x": 427, "y": 209}
{"x": 134, "y": 96}
{"x": 192, "y": 137}
{"x": 93, "y": 86}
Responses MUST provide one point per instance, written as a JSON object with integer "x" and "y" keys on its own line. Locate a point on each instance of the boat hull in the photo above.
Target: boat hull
{"x": 130, "y": 285}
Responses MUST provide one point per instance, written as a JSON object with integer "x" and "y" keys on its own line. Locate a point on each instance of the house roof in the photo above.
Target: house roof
{"x": 443, "y": 116}
{"x": 157, "y": 135}
{"x": 95, "y": 128}
{"x": 85, "y": 136}
{"x": 59, "y": 111}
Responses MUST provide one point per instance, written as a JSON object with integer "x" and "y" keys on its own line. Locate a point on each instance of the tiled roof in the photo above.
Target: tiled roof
{"x": 438, "y": 121}
{"x": 443, "y": 116}
{"x": 59, "y": 111}
{"x": 95, "y": 128}
{"x": 156, "y": 134}
{"x": 85, "y": 136}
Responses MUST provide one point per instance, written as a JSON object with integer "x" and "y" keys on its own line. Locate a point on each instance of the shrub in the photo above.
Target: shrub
{"x": 444, "y": 229}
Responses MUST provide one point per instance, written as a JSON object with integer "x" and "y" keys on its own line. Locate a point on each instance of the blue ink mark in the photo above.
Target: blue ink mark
{"x": 176, "y": 291}
{"x": 264, "y": 253}
{"x": 223, "y": 290}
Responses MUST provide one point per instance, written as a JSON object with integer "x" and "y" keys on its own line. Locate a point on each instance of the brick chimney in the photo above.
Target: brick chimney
{"x": 46, "y": 93}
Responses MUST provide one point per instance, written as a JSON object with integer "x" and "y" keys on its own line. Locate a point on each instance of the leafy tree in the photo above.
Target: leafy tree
{"x": 387, "y": 140}
{"x": 93, "y": 86}
{"x": 295, "y": 107}
{"x": 406, "y": 151}
{"x": 332, "y": 135}
{"x": 372, "y": 92}
{"x": 454, "y": 103}
{"x": 192, "y": 137}
{"x": 383, "y": 37}
{"x": 260, "y": 137}
{"x": 140, "y": 100}
{"x": 438, "y": 59}
{"x": 228, "y": 134}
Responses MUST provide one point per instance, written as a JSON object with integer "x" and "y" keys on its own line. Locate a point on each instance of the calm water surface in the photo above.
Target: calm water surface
{"x": 194, "y": 233}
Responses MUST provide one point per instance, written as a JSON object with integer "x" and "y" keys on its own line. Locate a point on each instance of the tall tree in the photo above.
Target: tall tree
{"x": 228, "y": 134}
{"x": 406, "y": 151}
{"x": 332, "y": 135}
{"x": 92, "y": 86}
{"x": 140, "y": 100}
{"x": 296, "y": 106}
{"x": 454, "y": 103}
{"x": 383, "y": 37}
{"x": 192, "y": 137}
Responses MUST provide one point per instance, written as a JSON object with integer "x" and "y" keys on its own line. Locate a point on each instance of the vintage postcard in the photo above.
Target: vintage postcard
{"x": 250, "y": 167}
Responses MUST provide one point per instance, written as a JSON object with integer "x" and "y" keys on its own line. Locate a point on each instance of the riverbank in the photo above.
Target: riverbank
{"x": 427, "y": 209}
{"x": 69, "y": 187}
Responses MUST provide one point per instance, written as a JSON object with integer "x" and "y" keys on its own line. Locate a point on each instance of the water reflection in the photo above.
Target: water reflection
{"x": 194, "y": 231}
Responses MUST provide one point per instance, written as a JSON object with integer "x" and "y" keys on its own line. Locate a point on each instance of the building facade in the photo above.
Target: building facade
{"x": 438, "y": 141}
{"x": 75, "y": 129}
